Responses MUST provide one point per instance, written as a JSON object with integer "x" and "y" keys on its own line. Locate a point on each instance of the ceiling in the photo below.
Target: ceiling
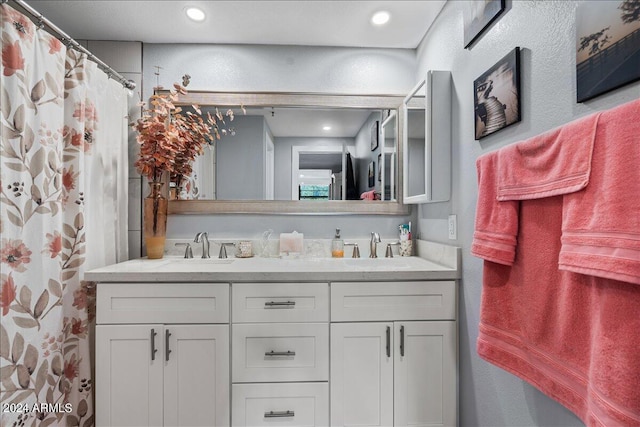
{"x": 308, "y": 23}
{"x": 309, "y": 122}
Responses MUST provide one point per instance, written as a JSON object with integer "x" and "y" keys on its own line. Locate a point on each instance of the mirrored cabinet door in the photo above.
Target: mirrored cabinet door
{"x": 427, "y": 140}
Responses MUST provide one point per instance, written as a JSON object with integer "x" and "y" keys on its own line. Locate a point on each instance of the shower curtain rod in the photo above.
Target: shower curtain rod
{"x": 42, "y": 21}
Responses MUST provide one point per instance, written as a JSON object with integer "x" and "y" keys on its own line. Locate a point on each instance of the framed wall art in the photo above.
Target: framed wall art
{"x": 372, "y": 174}
{"x": 477, "y": 16}
{"x": 374, "y": 135}
{"x": 497, "y": 96}
{"x": 607, "y": 46}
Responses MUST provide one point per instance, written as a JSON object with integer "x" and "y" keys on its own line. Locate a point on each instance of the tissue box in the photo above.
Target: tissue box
{"x": 291, "y": 243}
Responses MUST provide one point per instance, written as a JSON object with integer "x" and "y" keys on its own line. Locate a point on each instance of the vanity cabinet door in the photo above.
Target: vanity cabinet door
{"x": 424, "y": 374}
{"x": 196, "y": 375}
{"x": 362, "y": 374}
{"x": 128, "y": 379}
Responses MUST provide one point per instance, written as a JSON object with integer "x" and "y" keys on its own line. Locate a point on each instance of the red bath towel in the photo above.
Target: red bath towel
{"x": 601, "y": 225}
{"x": 496, "y": 226}
{"x": 570, "y": 330}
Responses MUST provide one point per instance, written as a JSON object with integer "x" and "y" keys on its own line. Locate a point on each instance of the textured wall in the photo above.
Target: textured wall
{"x": 281, "y": 68}
{"x": 545, "y": 30}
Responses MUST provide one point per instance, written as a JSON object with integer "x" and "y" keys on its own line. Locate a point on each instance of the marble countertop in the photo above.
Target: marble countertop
{"x": 436, "y": 262}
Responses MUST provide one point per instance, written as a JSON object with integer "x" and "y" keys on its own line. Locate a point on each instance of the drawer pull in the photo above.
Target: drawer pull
{"x": 154, "y": 350}
{"x": 402, "y": 340}
{"x": 279, "y": 414}
{"x": 280, "y": 353}
{"x": 279, "y": 304}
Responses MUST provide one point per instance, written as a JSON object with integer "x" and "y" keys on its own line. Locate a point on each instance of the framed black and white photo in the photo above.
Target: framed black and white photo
{"x": 374, "y": 135}
{"x": 607, "y": 46}
{"x": 477, "y": 16}
{"x": 372, "y": 174}
{"x": 497, "y": 96}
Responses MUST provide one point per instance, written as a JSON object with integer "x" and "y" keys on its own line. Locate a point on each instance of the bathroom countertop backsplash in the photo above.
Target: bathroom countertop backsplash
{"x": 313, "y": 248}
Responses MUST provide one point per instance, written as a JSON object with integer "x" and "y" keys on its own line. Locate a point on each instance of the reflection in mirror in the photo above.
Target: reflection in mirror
{"x": 257, "y": 167}
{"x": 317, "y": 173}
{"x": 295, "y": 153}
{"x": 387, "y": 158}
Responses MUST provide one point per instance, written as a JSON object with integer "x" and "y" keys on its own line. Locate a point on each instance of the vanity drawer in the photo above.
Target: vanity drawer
{"x": 301, "y": 404}
{"x": 280, "y": 352}
{"x": 162, "y": 303}
{"x": 378, "y": 301}
{"x": 280, "y": 302}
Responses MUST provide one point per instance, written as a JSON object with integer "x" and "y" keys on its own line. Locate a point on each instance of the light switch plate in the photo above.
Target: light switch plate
{"x": 453, "y": 227}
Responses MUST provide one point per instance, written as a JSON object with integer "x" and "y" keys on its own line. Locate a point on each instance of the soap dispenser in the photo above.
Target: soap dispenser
{"x": 337, "y": 246}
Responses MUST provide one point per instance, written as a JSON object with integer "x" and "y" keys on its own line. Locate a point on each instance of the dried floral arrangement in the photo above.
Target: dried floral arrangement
{"x": 170, "y": 138}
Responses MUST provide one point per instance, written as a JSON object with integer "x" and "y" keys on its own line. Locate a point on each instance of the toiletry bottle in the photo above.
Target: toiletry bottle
{"x": 337, "y": 245}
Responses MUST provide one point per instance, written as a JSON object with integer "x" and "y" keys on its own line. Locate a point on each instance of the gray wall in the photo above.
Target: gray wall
{"x": 291, "y": 69}
{"x": 281, "y": 68}
{"x": 363, "y": 155}
{"x": 240, "y": 160}
{"x": 545, "y": 30}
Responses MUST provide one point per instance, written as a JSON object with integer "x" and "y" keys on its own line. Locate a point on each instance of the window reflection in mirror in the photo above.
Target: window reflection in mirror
{"x": 296, "y": 153}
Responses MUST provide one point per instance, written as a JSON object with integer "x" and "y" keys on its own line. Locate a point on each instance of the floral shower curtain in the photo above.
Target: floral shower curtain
{"x": 62, "y": 211}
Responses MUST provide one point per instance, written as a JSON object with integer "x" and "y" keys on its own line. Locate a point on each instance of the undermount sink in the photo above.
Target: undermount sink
{"x": 377, "y": 263}
{"x": 204, "y": 261}
{"x": 189, "y": 264}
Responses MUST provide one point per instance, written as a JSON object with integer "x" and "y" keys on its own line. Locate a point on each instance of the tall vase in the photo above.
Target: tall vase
{"x": 155, "y": 220}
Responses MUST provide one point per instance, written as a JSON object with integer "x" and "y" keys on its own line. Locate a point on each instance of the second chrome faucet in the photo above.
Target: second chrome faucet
{"x": 373, "y": 246}
{"x": 204, "y": 238}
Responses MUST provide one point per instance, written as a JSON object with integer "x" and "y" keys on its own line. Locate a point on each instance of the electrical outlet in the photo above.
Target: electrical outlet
{"x": 453, "y": 227}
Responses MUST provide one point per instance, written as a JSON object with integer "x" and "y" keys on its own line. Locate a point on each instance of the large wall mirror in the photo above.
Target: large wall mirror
{"x": 297, "y": 153}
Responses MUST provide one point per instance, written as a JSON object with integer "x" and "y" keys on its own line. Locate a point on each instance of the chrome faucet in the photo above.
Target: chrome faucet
{"x": 375, "y": 239}
{"x": 356, "y": 250}
{"x": 204, "y": 237}
{"x": 223, "y": 249}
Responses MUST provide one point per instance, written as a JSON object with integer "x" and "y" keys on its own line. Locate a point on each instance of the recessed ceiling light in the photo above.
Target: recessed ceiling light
{"x": 380, "y": 18}
{"x": 326, "y": 128}
{"x": 195, "y": 14}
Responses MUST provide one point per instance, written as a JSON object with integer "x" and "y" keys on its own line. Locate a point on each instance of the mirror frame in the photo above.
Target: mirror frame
{"x": 289, "y": 99}
{"x": 410, "y": 103}
{"x": 437, "y": 108}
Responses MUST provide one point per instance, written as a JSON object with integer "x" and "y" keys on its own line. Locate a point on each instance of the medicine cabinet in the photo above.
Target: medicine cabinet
{"x": 427, "y": 140}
